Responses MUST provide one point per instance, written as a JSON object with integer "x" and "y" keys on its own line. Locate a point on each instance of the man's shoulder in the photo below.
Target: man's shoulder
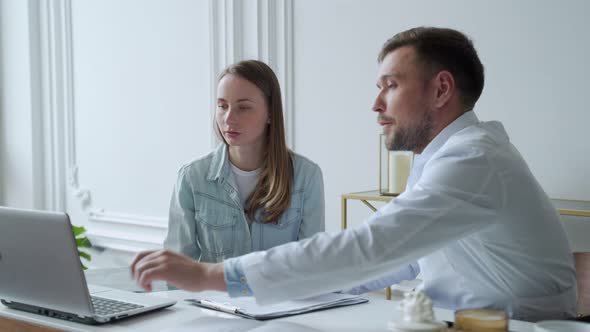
{"x": 482, "y": 143}
{"x": 485, "y": 130}
{"x": 482, "y": 136}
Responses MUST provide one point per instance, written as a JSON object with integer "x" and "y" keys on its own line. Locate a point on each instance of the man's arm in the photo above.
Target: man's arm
{"x": 456, "y": 196}
{"x": 235, "y": 278}
{"x": 453, "y": 199}
{"x": 408, "y": 272}
{"x": 178, "y": 270}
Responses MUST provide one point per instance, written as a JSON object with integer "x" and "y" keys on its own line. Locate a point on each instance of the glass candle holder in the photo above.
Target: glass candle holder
{"x": 481, "y": 320}
{"x": 394, "y": 169}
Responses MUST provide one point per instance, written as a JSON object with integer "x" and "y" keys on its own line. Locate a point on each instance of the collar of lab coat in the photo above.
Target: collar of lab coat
{"x": 465, "y": 120}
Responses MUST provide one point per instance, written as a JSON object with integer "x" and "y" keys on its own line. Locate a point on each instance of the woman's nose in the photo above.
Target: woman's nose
{"x": 230, "y": 116}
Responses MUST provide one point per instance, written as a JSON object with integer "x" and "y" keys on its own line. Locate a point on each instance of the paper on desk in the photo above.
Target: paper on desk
{"x": 118, "y": 278}
{"x": 216, "y": 324}
{"x": 247, "y": 307}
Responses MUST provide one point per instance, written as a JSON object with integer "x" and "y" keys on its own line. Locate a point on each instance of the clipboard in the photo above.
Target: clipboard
{"x": 246, "y": 307}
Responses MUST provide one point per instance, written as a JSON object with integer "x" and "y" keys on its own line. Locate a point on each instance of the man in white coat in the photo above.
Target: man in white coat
{"x": 473, "y": 219}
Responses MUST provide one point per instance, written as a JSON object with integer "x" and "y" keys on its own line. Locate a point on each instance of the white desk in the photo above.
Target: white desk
{"x": 369, "y": 317}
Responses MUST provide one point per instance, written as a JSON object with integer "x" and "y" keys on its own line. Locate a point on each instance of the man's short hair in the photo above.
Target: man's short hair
{"x": 444, "y": 49}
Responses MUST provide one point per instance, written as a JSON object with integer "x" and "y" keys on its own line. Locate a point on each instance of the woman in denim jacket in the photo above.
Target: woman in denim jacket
{"x": 251, "y": 193}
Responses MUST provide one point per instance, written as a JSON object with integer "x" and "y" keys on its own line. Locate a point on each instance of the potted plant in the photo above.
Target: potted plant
{"x": 82, "y": 242}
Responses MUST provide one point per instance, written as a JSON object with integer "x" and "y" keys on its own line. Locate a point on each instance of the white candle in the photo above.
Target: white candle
{"x": 400, "y": 163}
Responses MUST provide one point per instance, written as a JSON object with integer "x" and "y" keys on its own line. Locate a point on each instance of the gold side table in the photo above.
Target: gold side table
{"x": 567, "y": 208}
{"x": 365, "y": 197}
{"x": 572, "y": 207}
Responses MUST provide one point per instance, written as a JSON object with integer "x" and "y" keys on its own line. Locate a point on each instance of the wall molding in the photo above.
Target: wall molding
{"x": 54, "y": 106}
{"x": 100, "y": 216}
{"x": 271, "y": 41}
{"x": 275, "y": 45}
{"x": 127, "y": 232}
{"x": 46, "y": 65}
{"x": 51, "y": 26}
{"x": 52, "y": 70}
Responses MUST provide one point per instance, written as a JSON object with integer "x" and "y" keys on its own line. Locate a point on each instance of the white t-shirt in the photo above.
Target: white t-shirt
{"x": 246, "y": 181}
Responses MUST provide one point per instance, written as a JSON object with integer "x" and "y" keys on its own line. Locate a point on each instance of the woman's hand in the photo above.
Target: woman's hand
{"x": 177, "y": 270}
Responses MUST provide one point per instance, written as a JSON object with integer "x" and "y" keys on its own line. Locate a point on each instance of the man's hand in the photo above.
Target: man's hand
{"x": 177, "y": 270}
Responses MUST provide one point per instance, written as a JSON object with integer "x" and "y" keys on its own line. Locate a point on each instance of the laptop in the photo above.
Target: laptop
{"x": 40, "y": 272}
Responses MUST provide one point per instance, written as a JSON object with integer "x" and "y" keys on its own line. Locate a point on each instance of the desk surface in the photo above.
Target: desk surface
{"x": 369, "y": 317}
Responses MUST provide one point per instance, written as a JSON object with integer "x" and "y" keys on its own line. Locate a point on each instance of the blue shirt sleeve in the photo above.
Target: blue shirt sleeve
{"x": 408, "y": 272}
{"x": 235, "y": 279}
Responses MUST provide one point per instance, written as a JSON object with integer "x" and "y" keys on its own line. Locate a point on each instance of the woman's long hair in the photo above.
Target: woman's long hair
{"x": 273, "y": 190}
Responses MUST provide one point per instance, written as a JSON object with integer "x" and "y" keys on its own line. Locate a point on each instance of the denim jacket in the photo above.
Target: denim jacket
{"x": 207, "y": 220}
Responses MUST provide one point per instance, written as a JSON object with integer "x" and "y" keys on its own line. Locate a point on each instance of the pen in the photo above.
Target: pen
{"x": 219, "y": 306}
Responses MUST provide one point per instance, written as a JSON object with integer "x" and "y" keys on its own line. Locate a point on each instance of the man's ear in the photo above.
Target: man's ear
{"x": 444, "y": 88}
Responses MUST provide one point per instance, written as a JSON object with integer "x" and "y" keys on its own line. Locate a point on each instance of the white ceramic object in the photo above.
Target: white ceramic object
{"x": 561, "y": 326}
{"x": 416, "y": 327}
{"x": 417, "y": 315}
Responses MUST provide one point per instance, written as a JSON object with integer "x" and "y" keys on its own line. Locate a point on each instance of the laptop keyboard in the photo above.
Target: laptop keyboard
{"x": 107, "y": 307}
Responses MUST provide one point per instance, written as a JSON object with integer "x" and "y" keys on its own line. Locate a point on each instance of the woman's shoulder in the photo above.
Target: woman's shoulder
{"x": 302, "y": 164}
{"x": 198, "y": 165}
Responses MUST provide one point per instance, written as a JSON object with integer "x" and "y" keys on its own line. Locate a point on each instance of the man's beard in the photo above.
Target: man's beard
{"x": 411, "y": 138}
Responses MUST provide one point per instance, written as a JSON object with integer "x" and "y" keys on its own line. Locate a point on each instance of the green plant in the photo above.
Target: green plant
{"x": 82, "y": 242}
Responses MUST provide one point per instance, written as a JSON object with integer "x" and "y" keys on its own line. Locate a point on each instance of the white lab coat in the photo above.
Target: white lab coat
{"x": 482, "y": 229}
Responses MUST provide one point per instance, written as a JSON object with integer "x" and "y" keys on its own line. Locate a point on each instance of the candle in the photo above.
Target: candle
{"x": 399, "y": 164}
{"x": 481, "y": 320}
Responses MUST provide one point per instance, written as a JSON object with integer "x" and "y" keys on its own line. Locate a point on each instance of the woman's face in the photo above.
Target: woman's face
{"x": 242, "y": 112}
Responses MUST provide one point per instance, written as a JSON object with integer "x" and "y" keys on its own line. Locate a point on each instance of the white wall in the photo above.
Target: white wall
{"x": 142, "y": 105}
{"x": 17, "y": 115}
{"x": 536, "y": 58}
{"x": 141, "y": 93}
{"x": 142, "y": 98}
{"x": 102, "y": 102}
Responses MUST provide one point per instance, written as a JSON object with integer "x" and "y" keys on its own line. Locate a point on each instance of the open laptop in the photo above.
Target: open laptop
{"x": 40, "y": 272}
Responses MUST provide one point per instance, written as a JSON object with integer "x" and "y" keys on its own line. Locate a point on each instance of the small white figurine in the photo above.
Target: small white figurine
{"x": 418, "y": 316}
